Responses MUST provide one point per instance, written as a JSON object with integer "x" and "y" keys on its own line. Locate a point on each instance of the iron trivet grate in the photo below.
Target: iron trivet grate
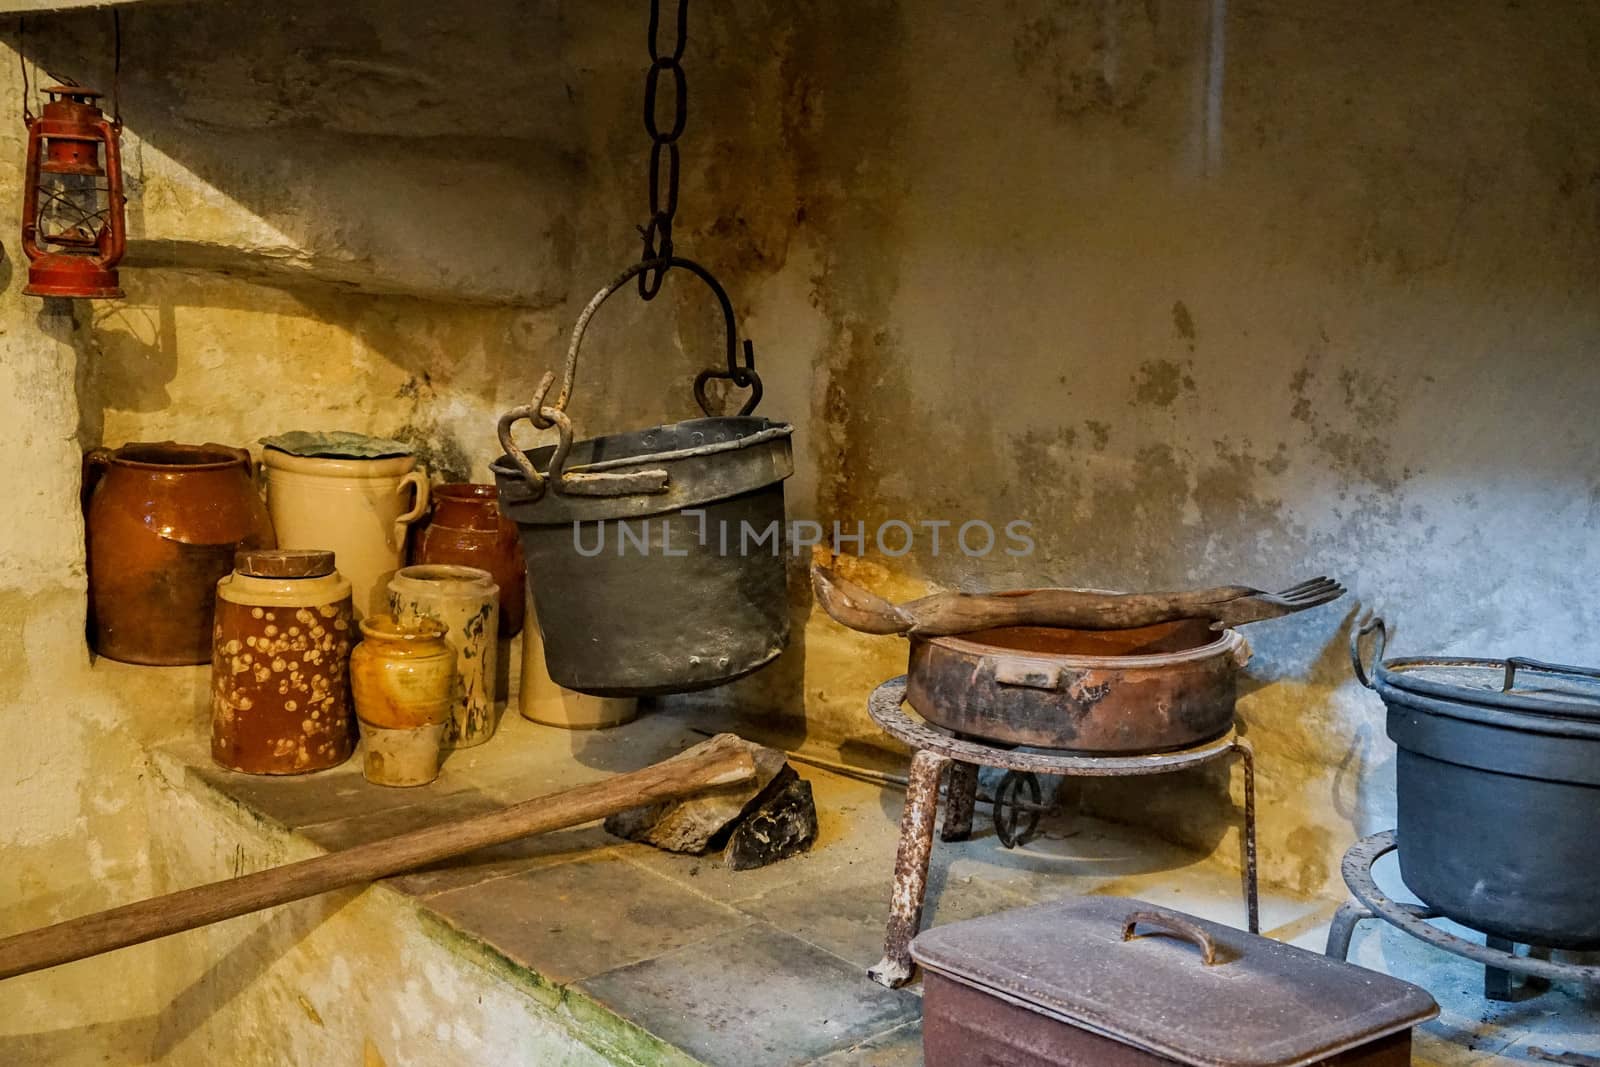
{"x": 938, "y": 751}
{"x": 1498, "y": 956}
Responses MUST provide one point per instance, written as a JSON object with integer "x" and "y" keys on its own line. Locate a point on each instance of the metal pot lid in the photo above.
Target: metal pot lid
{"x": 1516, "y": 683}
{"x": 1192, "y": 991}
{"x": 1512, "y": 684}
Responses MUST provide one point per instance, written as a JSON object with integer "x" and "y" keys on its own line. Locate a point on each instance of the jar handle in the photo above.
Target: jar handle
{"x": 95, "y": 463}
{"x": 418, "y": 479}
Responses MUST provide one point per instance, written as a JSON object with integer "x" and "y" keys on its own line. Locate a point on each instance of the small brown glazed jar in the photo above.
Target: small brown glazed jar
{"x": 279, "y": 693}
{"x": 163, "y": 523}
{"x": 467, "y": 529}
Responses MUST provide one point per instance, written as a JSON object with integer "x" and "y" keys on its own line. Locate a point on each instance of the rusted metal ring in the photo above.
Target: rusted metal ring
{"x": 1010, "y": 808}
{"x": 1356, "y": 869}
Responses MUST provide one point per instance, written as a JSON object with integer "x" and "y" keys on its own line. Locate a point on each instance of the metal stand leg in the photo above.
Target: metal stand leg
{"x": 1252, "y": 891}
{"x": 910, "y": 869}
{"x": 1344, "y": 926}
{"x": 961, "y": 798}
{"x": 1497, "y": 984}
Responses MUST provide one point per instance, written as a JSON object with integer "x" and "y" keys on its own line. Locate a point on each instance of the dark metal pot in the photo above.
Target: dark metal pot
{"x": 1150, "y": 689}
{"x": 665, "y": 604}
{"x": 657, "y": 558}
{"x": 1498, "y": 789}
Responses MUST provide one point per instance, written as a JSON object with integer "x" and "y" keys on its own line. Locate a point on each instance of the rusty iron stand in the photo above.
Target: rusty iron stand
{"x": 939, "y": 754}
{"x": 1498, "y": 956}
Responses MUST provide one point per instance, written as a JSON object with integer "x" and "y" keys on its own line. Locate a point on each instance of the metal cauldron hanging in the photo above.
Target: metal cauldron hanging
{"x": 657, "y": 557}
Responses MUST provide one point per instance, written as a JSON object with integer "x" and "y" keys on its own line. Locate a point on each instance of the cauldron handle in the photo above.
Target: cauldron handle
{"x": 1374, "y": 623}
{"x": 545, "y": 413}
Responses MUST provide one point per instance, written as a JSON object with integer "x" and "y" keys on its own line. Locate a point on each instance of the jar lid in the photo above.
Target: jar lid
{"x": 284, "y": 562}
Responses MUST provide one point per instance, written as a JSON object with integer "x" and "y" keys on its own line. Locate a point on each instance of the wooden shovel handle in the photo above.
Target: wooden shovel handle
{"x": 723, "y": 760}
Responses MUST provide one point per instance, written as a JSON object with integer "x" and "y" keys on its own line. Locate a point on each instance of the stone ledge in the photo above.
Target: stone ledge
{"x": 651, "y": 957}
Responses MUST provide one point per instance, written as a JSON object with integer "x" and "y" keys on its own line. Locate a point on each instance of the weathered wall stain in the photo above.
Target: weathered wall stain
{"x": 1160, "y": 382}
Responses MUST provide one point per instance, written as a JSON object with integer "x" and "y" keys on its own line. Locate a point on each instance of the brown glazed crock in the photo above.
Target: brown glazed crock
{"x": 163, "y": 523}
{"x": 467, "y": 529}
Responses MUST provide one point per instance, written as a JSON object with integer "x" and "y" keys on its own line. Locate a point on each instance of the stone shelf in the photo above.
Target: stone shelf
{"x": 646, "y": 956}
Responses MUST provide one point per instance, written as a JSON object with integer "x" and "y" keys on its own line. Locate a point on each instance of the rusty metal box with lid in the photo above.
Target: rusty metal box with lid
{"x": 1113, "y": 982}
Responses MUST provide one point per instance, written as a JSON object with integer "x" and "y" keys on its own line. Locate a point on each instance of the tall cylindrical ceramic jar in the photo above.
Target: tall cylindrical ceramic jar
{"x": 324, "y": 492}
{"x": 467, "y": 601}
{"x": 466, "y": 528}
{"x": 403, "y": 677}
{"x": 280, "y": 700}
{"x": 541, "y": 700}
{"x": 163, "y": 523}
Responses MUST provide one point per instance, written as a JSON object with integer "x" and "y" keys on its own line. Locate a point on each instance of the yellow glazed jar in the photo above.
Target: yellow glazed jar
{"x": 403, "y": 675}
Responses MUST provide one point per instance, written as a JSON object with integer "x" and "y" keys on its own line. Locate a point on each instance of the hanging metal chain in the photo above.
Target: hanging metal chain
{"x": 657, "y": 232}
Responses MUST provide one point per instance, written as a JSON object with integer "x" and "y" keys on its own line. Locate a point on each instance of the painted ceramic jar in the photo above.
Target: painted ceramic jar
{"x": 359, "y": 507}
{"x": 163, "y": 522}
{"x": 466, "y": 528}
{"x": 467, "y": 601}
{"x": 281, "y": 642}
{"x": 541, "y": 700}
{"x": 403, "y": 676}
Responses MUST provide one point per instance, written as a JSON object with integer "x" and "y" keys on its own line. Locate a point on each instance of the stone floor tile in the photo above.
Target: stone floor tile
{"x": 297, "y": 800}
{"x": 358, "y": 829}
{"x": 845, "y": 911}
{"x": 900, "y": 1047}
{"x": 567, "y": 921}
{"x": 753, "y": 997}
{"x": 501, "y": 860}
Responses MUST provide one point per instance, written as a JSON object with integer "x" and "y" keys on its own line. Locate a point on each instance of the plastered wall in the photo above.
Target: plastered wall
{"x": 1207, "y": 292}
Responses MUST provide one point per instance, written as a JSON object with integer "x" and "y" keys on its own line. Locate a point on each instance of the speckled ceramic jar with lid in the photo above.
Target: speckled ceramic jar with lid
{"x": 280, "y": 648}
{"x": 467, "y": 601}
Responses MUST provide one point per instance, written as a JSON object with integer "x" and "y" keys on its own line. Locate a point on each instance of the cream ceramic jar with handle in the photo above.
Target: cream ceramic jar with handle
{"x": 354, "y": 495}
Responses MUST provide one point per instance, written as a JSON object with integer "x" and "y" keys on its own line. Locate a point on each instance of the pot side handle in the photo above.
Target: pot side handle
{"x": 1380, "y": 643}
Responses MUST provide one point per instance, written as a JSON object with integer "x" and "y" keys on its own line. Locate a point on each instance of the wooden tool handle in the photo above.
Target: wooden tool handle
{"x": 721, "y": 761}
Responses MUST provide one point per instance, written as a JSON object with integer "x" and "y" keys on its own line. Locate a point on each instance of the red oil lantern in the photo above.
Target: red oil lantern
{"x": 73, "y": 230}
